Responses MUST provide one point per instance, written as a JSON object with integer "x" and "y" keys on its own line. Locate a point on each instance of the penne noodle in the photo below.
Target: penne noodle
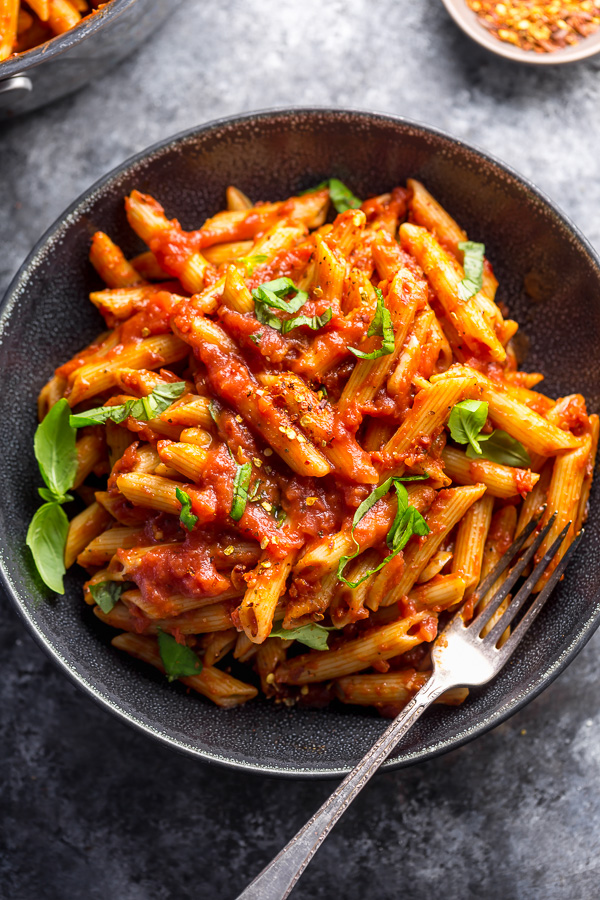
{"x": 220, "y": 643}
{"x": 103, "y": 545}
{"x": 514, "y": 417}
{"x": 426, "y": 211}
{"x": 405, "y": 295}
{"x": 109, "y": 261}
{"x": 445, "y": 275}
{"x": 435, "y": 565}
{"x": 9, "y": 17}
{"x": 224, "y": 690}
{"x": 449, "y": 507}
{"x": 471, "y": 535}
{"x": 441, "y": 592}
{"x": 83, "y": 529}
{"x": 499, "y": 538}
{"x": 429, "y": 412}
{"x": 352, "y": 656}
{"x": 150, "y": 491}
{"x": 96, "y": 377}
{"x": 564, "y": 492}
{"x": 393, "y": 688}
{"x": 500, "y": 481}
{"x": 265, "y": 587}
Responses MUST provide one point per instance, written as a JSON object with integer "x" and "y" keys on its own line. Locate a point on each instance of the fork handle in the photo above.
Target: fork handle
{"x": 277, "y": 880}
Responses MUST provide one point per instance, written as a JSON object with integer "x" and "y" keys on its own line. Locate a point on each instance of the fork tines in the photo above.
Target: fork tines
{"x": 484, "y": 616}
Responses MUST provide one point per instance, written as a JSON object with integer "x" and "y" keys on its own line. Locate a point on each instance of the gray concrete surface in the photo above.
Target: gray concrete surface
{"x": 90, "y": 809}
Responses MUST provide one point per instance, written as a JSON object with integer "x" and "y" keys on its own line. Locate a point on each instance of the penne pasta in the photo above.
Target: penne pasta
{"x": 277, "y": 501}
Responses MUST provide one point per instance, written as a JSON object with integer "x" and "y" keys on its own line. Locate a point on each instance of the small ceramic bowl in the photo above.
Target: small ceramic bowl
{"x": 549, "y": 280}
{"x": 470, "y": 23}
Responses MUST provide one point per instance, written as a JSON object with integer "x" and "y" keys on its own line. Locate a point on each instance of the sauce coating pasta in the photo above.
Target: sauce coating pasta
{"x": 302, "y": 442}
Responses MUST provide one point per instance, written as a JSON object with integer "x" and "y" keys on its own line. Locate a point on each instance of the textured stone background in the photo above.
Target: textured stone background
{"x": 91, "y": 809}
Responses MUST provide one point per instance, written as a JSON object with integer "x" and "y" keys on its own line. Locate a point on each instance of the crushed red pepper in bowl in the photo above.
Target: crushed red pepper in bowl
{"x": 539, "y": 26}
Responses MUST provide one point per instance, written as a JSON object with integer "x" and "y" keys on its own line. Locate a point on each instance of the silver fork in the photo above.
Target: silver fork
{"x": 460, "y": 657}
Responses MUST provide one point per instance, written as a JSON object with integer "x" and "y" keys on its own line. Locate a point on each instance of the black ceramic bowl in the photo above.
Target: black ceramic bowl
{"x": 46, "y": 317}
{"x": 68, "y": 61}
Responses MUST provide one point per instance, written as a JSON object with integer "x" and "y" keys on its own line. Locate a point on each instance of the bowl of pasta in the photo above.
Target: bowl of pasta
{"x": 293, "y": 429}
{"x": 50, "y": 48}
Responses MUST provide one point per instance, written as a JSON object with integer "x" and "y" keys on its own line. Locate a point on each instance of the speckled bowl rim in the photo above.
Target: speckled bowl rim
{"x": 586, "y": 628}
{"x": 60, "y": 43}
{"x": 467, "y": 21}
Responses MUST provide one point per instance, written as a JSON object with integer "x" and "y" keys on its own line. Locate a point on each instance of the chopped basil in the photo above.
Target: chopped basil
{"x": 186, "y": 516}
{"x": 179, "y": 661}
{"x": 107, "y": 593}
{"x": 46, "y": 538}
{"x": 313, "y": 635}
{"x": 54, "y": 448}
{"x": 240, "y": 491}
{"x": 501, "y": 447}
{"x": 254, "y": 493}
{"x": 273, "y": 294}
{"x": 407, "y": 521}
{"x": 250, "y": 261}
{"x": 381, "y": 326}
{"x": 341, "y": 196}
{"x": 314, "y": 322}
{"x": 473, "y": 266}
{"x": 256, "y": 338}
{"x": 144, "y": 408}
{"x": 466, "y": 420}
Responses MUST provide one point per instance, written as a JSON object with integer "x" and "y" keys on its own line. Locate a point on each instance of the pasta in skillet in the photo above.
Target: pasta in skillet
{"x": 317, "y": 444}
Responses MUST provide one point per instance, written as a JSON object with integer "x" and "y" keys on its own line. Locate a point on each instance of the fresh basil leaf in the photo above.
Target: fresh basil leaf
{"x": 46, "y": 538}
{"x": 273, "y": 293}
{"x": 381, "y": 325}
{"x": 164, "y": 395}
{"x": 107, "y": 593}
{"x": 412, "y": 477}
{"x": 466, "y": 420}
{"x": 265, "y": 317}
{"x": 341, "y": 196}
{"x": 179, "y": 661}
{"x": 314, "y": 322}
{"x": 256, "y": 337}
{"x": 143, "y": 408}
{"x": 250, "y": 261}
{"x": 473, "y": 254}
{"x": 407, "y": 521}
{"x": 51, "y": 497}
{"x": 54, "y": 447}
{"x": 101, "y": 414}
{"x": 501, "y": 447}
{"x": 186, "y": 516}
{"x": 313, "y": 635}
{"x": 240, "y": 491}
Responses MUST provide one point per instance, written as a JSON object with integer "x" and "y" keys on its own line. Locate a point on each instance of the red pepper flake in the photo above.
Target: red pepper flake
{"x": 539, "y": 26}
